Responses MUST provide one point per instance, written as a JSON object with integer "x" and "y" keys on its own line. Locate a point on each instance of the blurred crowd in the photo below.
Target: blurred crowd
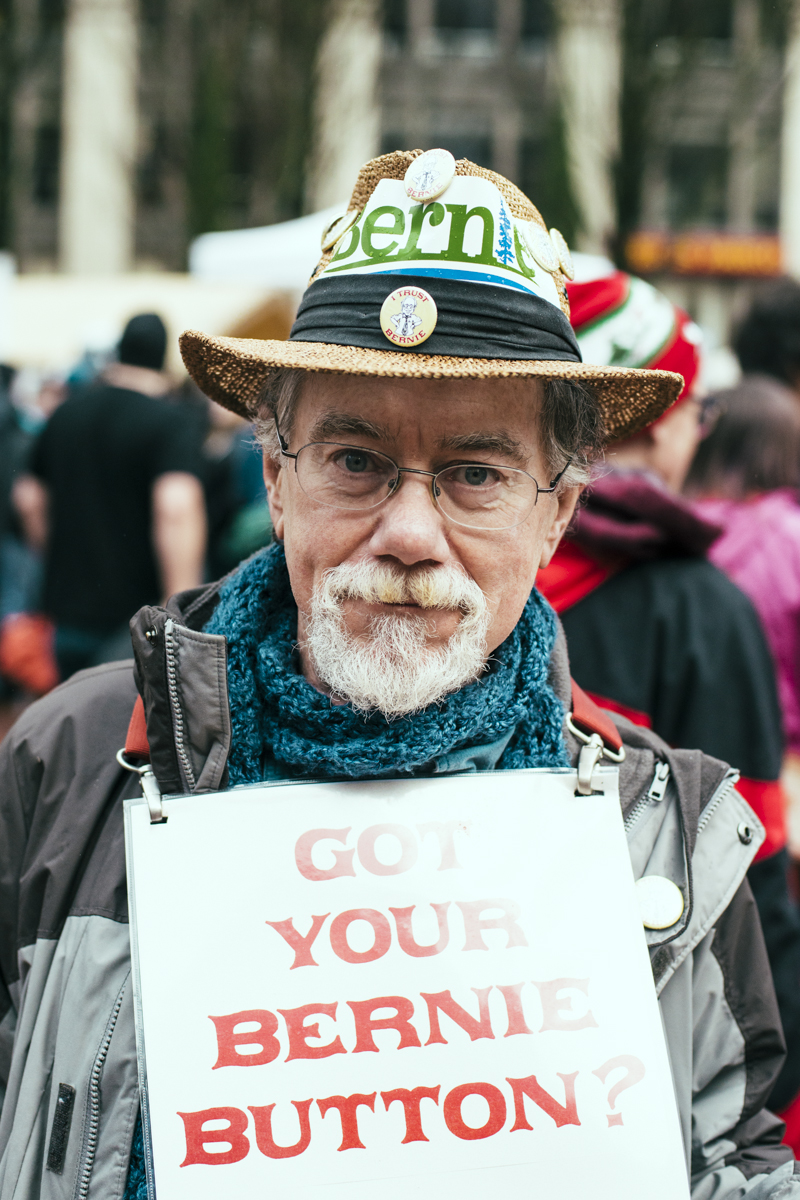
{"x": 119, "y": 486}
{"x": 678, "y": 583}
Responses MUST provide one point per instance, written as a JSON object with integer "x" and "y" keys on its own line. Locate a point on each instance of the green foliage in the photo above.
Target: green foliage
{"x": 250, "y": 119}
{"x": 555, "y": 200}
{"x": 6, "y": 91}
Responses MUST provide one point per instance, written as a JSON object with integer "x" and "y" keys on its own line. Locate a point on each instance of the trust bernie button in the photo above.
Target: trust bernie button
{"x": 408, "y": 316}
{"x": 430, "y": 175}
{"x": 660, "y": 901}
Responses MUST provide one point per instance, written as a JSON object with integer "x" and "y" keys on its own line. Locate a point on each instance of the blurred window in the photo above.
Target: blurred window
{"x": 51, "y": 13}
{"x": 152, "y": 13}
{"x": 151, "y": 168}
{"x": 464, "y": 14}
{"x": 476, "y": 147}
{"x": 47, "y": 152}
{"x": 536, "y": 19}
{"x": 697, "y": 186}
{"x": 395, "y": 18}
{"x": 707, "y": 19}
{"x": 532, "y": 168}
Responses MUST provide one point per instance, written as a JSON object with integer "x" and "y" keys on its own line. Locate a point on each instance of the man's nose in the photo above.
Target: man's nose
{"x": 409, "y": 526}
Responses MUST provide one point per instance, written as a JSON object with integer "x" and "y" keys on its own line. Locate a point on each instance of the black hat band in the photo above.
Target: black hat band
{"x": 473, "y": 322}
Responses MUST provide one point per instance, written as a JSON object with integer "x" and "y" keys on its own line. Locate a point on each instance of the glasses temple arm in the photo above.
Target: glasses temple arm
{"x": 284, "y": 445}
{"x": 554, "y": 482}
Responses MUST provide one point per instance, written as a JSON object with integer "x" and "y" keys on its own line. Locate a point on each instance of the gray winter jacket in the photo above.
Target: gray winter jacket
{"x": 67, "y": 1046}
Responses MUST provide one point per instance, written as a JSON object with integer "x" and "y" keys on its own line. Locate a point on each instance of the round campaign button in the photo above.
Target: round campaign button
{"x": 338, "y": 228}
{"x": 408, "y": 316}
{"x": 430, "y": 175}
{"x": 660, "y": 901}
{"x": 540, "y": 246}
{"x": 564, "y": 256}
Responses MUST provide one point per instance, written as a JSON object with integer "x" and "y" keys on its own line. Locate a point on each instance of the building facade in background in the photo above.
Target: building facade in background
{"x": 659, "y": 131}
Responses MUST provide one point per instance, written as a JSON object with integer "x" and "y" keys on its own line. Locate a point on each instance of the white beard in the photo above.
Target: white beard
{"x": 393, "y": 669}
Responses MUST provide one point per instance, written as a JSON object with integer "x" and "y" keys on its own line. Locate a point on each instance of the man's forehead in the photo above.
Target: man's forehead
{"x": 441, "y": 408}
{"x": 334, "y": 423}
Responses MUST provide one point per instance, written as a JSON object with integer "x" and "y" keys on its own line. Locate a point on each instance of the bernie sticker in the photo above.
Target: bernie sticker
{"x": 430, "y": 175}
{"x": 408, "y": 316}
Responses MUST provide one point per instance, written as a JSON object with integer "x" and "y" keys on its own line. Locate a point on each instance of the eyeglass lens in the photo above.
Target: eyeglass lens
{"x": 472, "y": 494}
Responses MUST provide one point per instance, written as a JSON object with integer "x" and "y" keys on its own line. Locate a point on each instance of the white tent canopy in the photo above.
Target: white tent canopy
{"x": 276, "y": 257}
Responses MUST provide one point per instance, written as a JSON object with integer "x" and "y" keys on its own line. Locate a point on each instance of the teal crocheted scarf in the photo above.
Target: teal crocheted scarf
{"x": 283, "y": 727}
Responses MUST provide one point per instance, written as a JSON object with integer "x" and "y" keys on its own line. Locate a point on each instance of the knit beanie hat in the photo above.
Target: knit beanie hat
{"x": 622, "y": 321}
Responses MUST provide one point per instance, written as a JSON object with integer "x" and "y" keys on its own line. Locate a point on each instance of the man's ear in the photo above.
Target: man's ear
{"x": 566, "y": 507}
{"x": 274, "y": 476}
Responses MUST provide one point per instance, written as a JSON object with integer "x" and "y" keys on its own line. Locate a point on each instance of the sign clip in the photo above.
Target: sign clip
{"x": 150, "y": 789}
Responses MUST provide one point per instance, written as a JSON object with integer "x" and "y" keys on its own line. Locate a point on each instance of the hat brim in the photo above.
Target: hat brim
{"x": 234, "y": 371}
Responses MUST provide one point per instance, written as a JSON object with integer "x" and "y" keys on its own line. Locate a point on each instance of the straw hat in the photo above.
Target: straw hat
{"x": 438, "y": 269}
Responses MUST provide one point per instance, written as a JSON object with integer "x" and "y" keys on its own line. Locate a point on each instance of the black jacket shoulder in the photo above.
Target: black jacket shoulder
{"x": 676, "y": 640}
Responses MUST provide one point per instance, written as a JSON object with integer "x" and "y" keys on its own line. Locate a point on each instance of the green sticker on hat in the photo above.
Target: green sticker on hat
{"x": 468, "y": 234}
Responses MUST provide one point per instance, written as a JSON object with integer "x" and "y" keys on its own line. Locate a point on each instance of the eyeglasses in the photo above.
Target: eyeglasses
{"x": 473, "y": 494}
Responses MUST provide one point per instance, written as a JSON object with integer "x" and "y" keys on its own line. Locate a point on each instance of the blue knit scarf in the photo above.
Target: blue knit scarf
{"x": 276, "y": 714}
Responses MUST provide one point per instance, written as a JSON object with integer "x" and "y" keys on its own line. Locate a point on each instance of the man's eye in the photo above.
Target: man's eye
{"x": 356, "y": 463}
{"x": 476, "y": 476}
{"x": 473, "y": 475}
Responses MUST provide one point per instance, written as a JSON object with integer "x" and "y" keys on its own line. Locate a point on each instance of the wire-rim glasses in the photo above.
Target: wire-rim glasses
{"x": 476, "y": 495}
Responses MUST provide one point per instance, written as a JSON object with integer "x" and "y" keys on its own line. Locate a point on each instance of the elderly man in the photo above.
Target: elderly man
{"x": 394, "y": 631}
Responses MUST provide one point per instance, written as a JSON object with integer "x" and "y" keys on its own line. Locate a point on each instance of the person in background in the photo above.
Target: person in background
{"x": 115, "y": 500}
{"x": 655, "y": 631}
{"x": 767, "y": 341}
{"x": 236, "y": 498}
{"x": 745, "y": 477}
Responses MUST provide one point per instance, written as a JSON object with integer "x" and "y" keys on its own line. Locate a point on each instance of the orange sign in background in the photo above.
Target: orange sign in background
{"x": 704, "y": 253}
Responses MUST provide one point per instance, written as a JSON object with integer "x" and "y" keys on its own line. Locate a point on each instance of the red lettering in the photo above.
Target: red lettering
{"x": 347, "y": 1107}
{"x": 262, "y": 1118}
{"x": 401, "y": 1022}
{"x": 263, "y": 1037}
{"x": 452, "y": 1111}
{"x": 301, "y": 945}
{"x": 516, "y": 1017}
{"x": 381, "y": 929}
{"x": 562, "y": 1114}
{"x": 198, "y": 1138}
{"x": 445, "y": 831}
{"x": 405, "y": 934}
{"x": 411, "y": 1102}
{"x": 369, "y": 860}
{"x": 343, "y": 859}
{"x": 482, "y": 1028}
{"x": 554, "y": 1005}
{"x": 475, "y": 923}
{"x": 299, "y": 1032}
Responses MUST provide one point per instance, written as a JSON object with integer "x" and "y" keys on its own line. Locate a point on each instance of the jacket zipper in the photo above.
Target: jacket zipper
{"x": 725, "y": 788}
{"x": 93, "y": 1124}
{"x": 654, "y": 795}
{"x": 177, "y": 712}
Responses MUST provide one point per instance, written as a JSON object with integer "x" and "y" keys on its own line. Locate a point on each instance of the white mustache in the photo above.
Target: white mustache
{"x": 445, "y": 587}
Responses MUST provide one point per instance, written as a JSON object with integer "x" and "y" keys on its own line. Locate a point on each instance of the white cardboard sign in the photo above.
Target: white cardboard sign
{"x": 425, "y": 988}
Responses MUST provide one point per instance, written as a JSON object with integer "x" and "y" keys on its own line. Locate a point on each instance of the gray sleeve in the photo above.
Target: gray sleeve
{"x": 13, "y": 840}
{"x": 737, "y": 1052}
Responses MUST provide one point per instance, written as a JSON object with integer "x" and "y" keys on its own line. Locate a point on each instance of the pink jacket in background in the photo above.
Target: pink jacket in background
{"x": 759, "y": 550}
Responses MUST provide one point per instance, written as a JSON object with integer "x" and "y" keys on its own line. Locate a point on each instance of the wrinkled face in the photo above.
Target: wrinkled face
{"x": 428, "y": 425}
